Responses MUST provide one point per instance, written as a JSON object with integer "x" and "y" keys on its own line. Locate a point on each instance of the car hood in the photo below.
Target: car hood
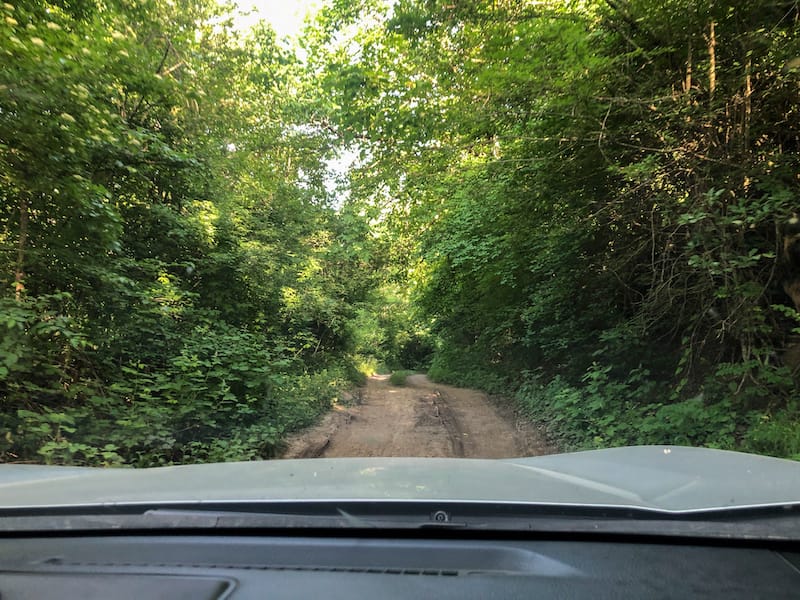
{"x": 660, "y": 478}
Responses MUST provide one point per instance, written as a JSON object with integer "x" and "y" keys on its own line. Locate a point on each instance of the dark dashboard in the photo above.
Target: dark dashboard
{"x": 379, "y": 565}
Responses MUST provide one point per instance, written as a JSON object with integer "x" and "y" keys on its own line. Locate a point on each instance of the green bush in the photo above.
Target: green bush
{"x": 607, "y": 412}
{"x": 775, "y": 434}
{"x": 223, "y": 395}
{"x": 689, "y": 423}
{"x": 399, "y": 377}
{"x": 463, "y": 368}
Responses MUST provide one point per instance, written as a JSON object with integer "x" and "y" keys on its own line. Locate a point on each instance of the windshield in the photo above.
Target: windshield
{"x": 488, "y": 229}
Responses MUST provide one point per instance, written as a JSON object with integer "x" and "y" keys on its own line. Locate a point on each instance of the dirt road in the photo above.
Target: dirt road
{"x": 418, "y": 419}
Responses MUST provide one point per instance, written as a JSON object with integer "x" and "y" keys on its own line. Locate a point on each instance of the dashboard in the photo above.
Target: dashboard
{"x": 379, "y": 564}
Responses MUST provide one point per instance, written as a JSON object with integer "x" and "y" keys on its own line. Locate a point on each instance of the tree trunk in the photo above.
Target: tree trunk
{"x": 22, "y": 241}
{"x": 791, "y": 285}
{"x": 712, "y": 60}
{"x": 687, "y": 84}
{"x": 748, "y": 109}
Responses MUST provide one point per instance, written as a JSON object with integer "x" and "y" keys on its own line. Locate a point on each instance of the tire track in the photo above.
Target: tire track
{"x": 419, "y": 419}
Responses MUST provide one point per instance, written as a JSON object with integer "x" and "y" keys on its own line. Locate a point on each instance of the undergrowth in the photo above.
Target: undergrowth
{"x": 609, "y": 407}
{"x": 605, "y": 412}
{"x": 399, "y": 377}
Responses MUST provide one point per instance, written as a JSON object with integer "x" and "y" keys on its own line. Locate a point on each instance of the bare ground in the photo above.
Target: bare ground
{"x": 419, "y": 419}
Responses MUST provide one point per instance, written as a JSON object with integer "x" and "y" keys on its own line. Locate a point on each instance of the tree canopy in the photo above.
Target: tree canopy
{"x": 599, "y": 197}
{"x": 589, "y": 205}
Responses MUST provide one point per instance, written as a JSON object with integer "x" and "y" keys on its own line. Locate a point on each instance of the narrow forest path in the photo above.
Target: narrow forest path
{"x": 418, "y": 419}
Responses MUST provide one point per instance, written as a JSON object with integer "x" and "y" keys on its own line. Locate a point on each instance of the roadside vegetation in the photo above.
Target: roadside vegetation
{"x": 588, "y": 206}
{"x": 596, "y": 210}
{"x": 399, "y": 377}
{"x": 177, "y": 286}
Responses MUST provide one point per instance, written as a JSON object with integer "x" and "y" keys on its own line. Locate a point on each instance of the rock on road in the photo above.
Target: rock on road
{"x": 418, "y": 419}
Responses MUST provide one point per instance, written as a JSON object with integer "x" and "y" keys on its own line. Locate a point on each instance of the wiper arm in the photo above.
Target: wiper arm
{"x": 565, "y": 519}
{"x": 234, "y": 519}
{"x": 170, "y": 518}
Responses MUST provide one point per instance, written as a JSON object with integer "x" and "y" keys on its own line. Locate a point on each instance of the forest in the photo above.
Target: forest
{"x": 591, "y": 207}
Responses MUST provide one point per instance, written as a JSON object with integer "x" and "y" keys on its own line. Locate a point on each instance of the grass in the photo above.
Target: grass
{"x": 399, "y": 377}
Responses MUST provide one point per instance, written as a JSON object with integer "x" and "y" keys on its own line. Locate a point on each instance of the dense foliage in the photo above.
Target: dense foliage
{"x": 599, "y": 196}
{"x": 176, "y": 284}
{"x": 588, "y": 204}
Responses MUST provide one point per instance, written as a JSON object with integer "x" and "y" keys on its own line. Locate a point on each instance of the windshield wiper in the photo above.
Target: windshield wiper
{"x": 775, "y": 523}
{"x": 169, "y": 518}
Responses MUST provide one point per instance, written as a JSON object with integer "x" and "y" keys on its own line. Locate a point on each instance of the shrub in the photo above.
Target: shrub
{"x": 399, "y": 377}
{"x": 606, "y": 412}
{"x": 464, "y": 368}
{"x": 775, "y": 434}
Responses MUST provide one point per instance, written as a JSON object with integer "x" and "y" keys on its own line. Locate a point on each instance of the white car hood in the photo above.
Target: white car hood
{"x": 660, "y": 478}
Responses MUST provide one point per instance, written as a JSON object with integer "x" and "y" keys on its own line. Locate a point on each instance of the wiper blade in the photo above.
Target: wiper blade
{"x": 342, "y": 518}
{"x": 199, "y": 518}
{"x": 166, "y": 518}
{"x": 755, "y": 523}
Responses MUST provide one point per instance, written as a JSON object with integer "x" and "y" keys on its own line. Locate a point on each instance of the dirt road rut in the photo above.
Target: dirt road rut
{"x": 419, "y": 419}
